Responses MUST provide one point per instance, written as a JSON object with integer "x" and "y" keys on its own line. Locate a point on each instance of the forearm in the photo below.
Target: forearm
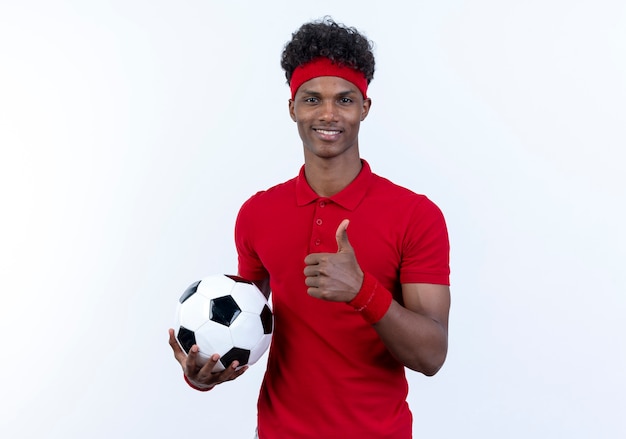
{"x": 415, "y": 332}
{"x": 417, "y": 341}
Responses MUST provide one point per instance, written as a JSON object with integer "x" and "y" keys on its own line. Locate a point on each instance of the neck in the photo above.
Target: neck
{"x": 329, "y": 177}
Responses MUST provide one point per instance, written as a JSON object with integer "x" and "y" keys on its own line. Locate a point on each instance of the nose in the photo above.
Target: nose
{"x": 327, "y": 111}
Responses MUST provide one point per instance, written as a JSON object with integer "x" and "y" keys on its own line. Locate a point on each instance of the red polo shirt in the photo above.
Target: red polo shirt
{"x": 328, "y": 374}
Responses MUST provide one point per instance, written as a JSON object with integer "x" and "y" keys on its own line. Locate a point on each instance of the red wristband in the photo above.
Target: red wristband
{"x": 201, "y": 389}
{"x": 372, "y": 301}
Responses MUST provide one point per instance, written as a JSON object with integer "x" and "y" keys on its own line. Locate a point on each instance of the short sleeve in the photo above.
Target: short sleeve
{"x": 426, "y": 246}
{"x": 249, "y": 264}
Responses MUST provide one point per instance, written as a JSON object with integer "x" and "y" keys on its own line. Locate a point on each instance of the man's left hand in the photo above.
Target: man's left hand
{"x": 337, "y": 276}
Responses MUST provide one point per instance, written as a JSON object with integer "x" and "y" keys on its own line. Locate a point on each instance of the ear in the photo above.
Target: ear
{"x": 292, "y": 112}
{"x": 367, "y": 104}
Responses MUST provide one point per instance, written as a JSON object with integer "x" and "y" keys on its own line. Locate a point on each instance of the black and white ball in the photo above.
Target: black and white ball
{"x": 226, "y": 315}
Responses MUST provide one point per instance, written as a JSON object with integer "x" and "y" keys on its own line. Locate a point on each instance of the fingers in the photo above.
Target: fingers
{"x": 231, "y": 372}
{"x": 206, "y": 377}
{"x": 318, "y": 264}
{"x": 312, "y": 267}
{"x": 179, "y": 354}
{"x": 238, "y": 373}
{"x": 193, "y": 364}
{"x": 202, "y": 375}
{"x": 343, "y": 246}
{"x": 196, "y": 370}
{"x": 190, "y": 361}
{"x": 334, "y": 276}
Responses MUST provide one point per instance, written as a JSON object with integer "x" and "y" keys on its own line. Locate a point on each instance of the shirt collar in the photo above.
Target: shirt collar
{"x": 349, "y": 197}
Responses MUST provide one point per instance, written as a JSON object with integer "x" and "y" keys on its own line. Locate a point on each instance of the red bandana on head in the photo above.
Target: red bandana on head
{"x": 323, "y": 66}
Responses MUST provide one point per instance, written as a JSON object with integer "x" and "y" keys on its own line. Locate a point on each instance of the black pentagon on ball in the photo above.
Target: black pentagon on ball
{"x": 186, "y": 338}
{"x": 224, "y": 310}
{"x": 241, "y": 355}
{"x": 266, "y": 320}
{"x": 190, "y": 291}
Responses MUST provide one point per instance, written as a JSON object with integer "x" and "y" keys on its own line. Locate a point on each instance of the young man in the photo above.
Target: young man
{"x": 353, "y": 305}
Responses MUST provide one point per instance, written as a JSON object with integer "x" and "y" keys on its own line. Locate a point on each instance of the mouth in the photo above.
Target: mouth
{"x": 327, "y": 133}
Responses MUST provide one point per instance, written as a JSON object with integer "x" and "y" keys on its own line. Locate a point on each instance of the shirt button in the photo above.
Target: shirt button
{"x": 318, "y": 242}
{"x": 318, "y": 222}
{"x": 322, "y": 203}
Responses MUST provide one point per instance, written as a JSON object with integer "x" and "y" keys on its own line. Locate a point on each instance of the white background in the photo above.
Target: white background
{"x": 131, "y": 131}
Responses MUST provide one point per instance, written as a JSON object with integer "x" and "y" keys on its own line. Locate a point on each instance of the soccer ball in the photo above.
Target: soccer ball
{"x": 226, "y": 315}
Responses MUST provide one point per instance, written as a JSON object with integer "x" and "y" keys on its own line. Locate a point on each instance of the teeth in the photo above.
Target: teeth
{"x": 328, "y": 132}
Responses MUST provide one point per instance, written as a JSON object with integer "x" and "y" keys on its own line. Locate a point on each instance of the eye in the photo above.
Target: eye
{"x": 311, "y": 100}
{"x": 345, "y": 100}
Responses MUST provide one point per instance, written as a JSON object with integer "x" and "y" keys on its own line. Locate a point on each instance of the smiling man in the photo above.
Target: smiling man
{"x": 353, "y": 307}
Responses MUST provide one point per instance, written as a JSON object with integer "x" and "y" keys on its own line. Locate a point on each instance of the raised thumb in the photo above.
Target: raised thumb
{"x": 343, "y": 244}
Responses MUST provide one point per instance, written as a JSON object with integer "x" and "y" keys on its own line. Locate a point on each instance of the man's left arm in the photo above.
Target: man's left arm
{"x": 417, "y": 333}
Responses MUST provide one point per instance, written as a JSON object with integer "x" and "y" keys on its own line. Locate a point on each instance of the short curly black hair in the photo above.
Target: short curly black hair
{"x": 342, "y": 44}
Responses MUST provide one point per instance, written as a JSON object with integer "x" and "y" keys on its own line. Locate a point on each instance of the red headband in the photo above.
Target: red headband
{"x": 323, "y": 66}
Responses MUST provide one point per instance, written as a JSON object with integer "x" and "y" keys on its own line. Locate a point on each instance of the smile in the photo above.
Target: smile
{"x": 327, "y": 132}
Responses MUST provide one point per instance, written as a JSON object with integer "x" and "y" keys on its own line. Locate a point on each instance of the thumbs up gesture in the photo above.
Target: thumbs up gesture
{"x": 337, "y": 276}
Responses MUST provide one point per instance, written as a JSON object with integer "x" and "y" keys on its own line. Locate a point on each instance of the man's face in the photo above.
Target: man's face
{"x": 328, "y": 111}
